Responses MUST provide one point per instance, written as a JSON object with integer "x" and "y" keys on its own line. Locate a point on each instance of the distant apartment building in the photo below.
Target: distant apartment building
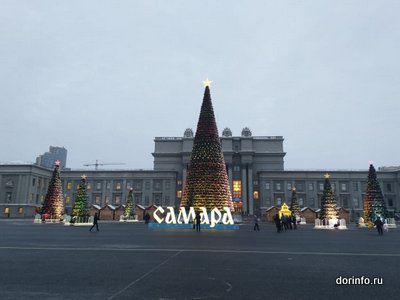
{"x": 47, "y": 159}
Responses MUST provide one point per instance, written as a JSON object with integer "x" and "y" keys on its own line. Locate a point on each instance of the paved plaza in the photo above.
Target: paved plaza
{"x": 130, "y": 261}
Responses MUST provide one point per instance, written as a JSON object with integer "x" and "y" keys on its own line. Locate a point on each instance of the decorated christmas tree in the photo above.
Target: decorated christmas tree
{"x": 328, "y": 202}
{"x": 207, "y": 181}
{"x": 294, "y": 205}
{"x": 374, "y": 205}
{"x": 128, "y": 211}
{"x": 80, "y": 209}
{"x": 53, "y": 205}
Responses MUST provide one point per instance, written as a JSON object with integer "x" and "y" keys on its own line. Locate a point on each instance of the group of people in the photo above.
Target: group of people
{"x": 285, "y": 222}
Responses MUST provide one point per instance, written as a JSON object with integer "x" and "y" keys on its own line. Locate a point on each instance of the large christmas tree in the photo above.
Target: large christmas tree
{"x": 328, "y": 202}
{"x": 53, "y": 205}
{"x": 294, "y": 205}
{"x": 374, "y": 205}
{"x": 128, "y": 211}
{"x": 207, "y": 181}
{"x": 80, "y": 209}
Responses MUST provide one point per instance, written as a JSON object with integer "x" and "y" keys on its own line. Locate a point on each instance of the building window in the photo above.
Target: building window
{"x": 157, "y": 198}
{"x": 31, "y": 196}
{"x": 301, "y": 201}
{"x": 236, "y": 168}
{"x": 267, "y": 186}
{"x": 166, "y": 199}
{"x": 68, "y": 200}
{"x": 390, "y": 202}
{"x": 97, "y": 199}
{"x": 118, "y": 185}
{"x": 137, "y": 199}
{"x": 107, "y": 200}
{"x": 388, "y": 187}
{"x": 39, "y": 185}
{"x": 343, "y": 187}
{"x": 289, "y": 186}
{"x": 299, "y": 186}
{"x": 355, "y": 202}
{"x": 179, "y": 182}
{"x": 278, "y": 186}
{"x": 279, "y": 201}
{"x": 312, "y": 202}
{"x": 20, "y": 210}
{"x": 6, "y": 210}
{"x": 147, "y": 185}
{"x": 69, "y": 185}
{"x": 310, "y": 187}
{"x": 255, "y": 182}
{"x": 355, "y": 186}
{"x": 179, "y": 194}
{"x": 345, "y": 202}
{"x": 237, "y": 189}
{"x": 255, "y": 195}
{"x": 117, "y": 199}
{"x": 88, "y": 186}
{"x": 321, "y": 186}
{"x": 98, "y": 185}
{"x": 167, "y": 185}
{"x": 146, "y": 200}
{"x": 157, "y": 186}
{"x": 33, "y": 181}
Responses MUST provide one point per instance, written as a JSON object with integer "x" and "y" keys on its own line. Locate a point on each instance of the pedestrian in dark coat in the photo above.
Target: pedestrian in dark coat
{"x": 198, "y": 219}
{"x": 146, "y": 218}
{"x": 95, "y": 222}
{"x": 256, "y": 227}
{"x": 379, "y": 225}
{"x": 277, "y": 223}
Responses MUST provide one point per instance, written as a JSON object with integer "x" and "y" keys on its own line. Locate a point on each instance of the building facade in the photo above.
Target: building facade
{"x": 255, "y": 167}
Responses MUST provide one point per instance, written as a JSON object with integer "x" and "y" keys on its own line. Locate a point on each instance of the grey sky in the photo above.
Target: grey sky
{"x": 103, "y": 78}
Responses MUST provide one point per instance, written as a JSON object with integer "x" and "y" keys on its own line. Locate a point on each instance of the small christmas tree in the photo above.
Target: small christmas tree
{"x": 53, "y": 205}
{"x": 374, "y": 205}
{"x": 80, "y": 209}
{"x": 128, "y": 212}
{"x": 294, "y": 205}
{"x": 328, "y": 202}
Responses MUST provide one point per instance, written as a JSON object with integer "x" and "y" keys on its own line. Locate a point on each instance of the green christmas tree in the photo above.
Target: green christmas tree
{"x": 80, "y": 209}
{"x": 207, "y": 181}
{"x": 328, "y": 202}
{"x": 53, "y": 205}
{"x": 294, "y": 205}
{"x": 128, "y": 211}
{"x": 374, "y": 205}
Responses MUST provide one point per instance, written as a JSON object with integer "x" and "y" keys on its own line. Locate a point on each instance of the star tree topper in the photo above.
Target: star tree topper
{"x": 207, "y": 83}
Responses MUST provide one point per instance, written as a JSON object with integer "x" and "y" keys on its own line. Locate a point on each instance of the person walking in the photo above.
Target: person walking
{"x": 198, "y": 218}
{"x": 95, "y": 222}
{"x": 277, "y": 223}
{"x": 256, "y": 227}
{"x": 379, "y": 225}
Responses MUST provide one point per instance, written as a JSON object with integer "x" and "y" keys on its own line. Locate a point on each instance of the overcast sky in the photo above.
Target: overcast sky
{"x": 103, "y": 78}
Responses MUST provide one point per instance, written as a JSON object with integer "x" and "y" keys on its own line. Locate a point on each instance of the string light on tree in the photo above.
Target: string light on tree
{"x": 53, "y": 205}
{"x": 207, "y": 181}
{"x": 328, "y": 202}
{"x": 374, "y": 204}
{"x": 80, "y": 209}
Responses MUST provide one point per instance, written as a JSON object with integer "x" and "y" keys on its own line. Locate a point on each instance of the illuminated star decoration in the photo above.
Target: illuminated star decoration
{"x": 327, "y": 175}
{"x": 370, "y": 162}
{"x": 83, "y": 177}
{"x": 207, "y": 83}
{"x": 57, "y": 163}
{"x": 293, "y": 189}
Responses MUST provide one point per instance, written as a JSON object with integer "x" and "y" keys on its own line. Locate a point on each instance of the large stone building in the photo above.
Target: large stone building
{"x": 255, "y": 166}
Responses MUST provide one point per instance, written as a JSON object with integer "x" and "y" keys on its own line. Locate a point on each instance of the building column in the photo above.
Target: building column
{"x": 250, "y": 189}
{"x": 230, "y": 178}
{"x": 184, "y": 174}
{"x": 244, "y": 189}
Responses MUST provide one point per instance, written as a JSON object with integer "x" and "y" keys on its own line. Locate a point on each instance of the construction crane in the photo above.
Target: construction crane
{"x": 97, "y": 164}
